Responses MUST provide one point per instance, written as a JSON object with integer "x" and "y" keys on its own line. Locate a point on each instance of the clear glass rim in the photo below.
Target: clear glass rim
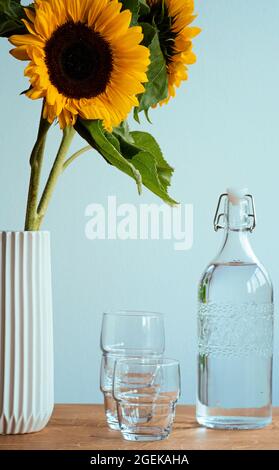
{"x": 149, "y": 361}
{"x": 152, "y": 403}
{"x": 133, "y": 313}
{"x": 130, "y": 353}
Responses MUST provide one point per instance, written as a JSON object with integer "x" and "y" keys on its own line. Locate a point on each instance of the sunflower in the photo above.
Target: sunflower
{"x": 172, "y": 18}
{"x": 85, "y": 60}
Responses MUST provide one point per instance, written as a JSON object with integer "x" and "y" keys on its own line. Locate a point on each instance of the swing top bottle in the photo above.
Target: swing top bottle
{"x": 235, "y": 326}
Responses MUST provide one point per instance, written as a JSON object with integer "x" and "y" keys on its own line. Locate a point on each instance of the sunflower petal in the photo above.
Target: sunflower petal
{"x": 26, "y": 39}
{"x": 20, "y": 53}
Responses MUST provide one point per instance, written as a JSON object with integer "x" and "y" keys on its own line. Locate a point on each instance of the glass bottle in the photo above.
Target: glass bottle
{"x": 235, "y": 326}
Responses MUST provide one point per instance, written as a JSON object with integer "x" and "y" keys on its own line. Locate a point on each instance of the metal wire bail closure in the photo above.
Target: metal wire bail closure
{"x": 220, "y": 216}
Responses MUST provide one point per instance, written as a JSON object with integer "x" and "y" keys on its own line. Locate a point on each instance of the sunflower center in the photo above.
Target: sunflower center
{"x": 79, "y": 61}
{"x": 160, "y": 16}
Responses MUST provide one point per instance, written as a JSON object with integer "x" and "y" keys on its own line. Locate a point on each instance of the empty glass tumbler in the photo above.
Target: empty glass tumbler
{"x": 146, "y": 391}
{"x": 127, "y": 334}
{"x": 133, "y": 332}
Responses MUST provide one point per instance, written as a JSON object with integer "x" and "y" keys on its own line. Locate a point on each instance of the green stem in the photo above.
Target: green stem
{"x": 36, "y": 160}
{"x": 76, "y": 155}
{"x": 56, "y": 171}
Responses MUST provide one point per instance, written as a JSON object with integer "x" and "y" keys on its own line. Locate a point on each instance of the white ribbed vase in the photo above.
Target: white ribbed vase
{"x": 26, "y": 333}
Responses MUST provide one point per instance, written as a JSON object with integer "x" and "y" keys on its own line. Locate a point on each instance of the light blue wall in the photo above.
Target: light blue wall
{"x": 222, "y": 129}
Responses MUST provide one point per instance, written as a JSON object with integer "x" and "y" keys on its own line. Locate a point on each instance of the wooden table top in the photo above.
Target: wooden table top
{"x": 83, "y": 427}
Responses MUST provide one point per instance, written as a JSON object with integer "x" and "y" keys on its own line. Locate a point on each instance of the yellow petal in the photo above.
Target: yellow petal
{"x": 20, "y": 53}
{"x": 25, "y": 39}
{"x": 30, "y": 14}
{"x": 29, "y": 27}
{"x": 193, "y": 31}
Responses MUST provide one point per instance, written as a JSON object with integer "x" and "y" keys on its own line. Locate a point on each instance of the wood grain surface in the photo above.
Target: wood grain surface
{"x": 83, "y": 427}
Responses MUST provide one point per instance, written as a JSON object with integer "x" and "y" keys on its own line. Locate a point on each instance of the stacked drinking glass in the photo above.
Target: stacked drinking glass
{"x": 140, "y": 386}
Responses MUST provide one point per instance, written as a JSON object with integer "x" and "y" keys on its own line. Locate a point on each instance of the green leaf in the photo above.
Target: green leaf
{"x": 156, "y": 88}
{"x": 149, "y": 144}
{"x": 143, "y": 8}
{"x": 142, "y": 150}
{"x": 136, "y": 115}
{"x": 146, "y": 112}
{"x": 112, "y": 139}
{"x": 11, "y": 14}
{"x": 145, "y": 162}
{"x": 124, "y": 132}
{"x": 135, "y": 153}
{"x": 105, "y": 143}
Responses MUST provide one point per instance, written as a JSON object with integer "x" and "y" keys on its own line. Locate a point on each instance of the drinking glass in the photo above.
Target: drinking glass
{"x": 146, "y": 391}
{"x": 127, "y": 334}
{"x": 133, "y": 333}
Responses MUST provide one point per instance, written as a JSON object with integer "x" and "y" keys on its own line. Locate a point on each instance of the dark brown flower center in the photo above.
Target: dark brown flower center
{"x": 79, "y": 61}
